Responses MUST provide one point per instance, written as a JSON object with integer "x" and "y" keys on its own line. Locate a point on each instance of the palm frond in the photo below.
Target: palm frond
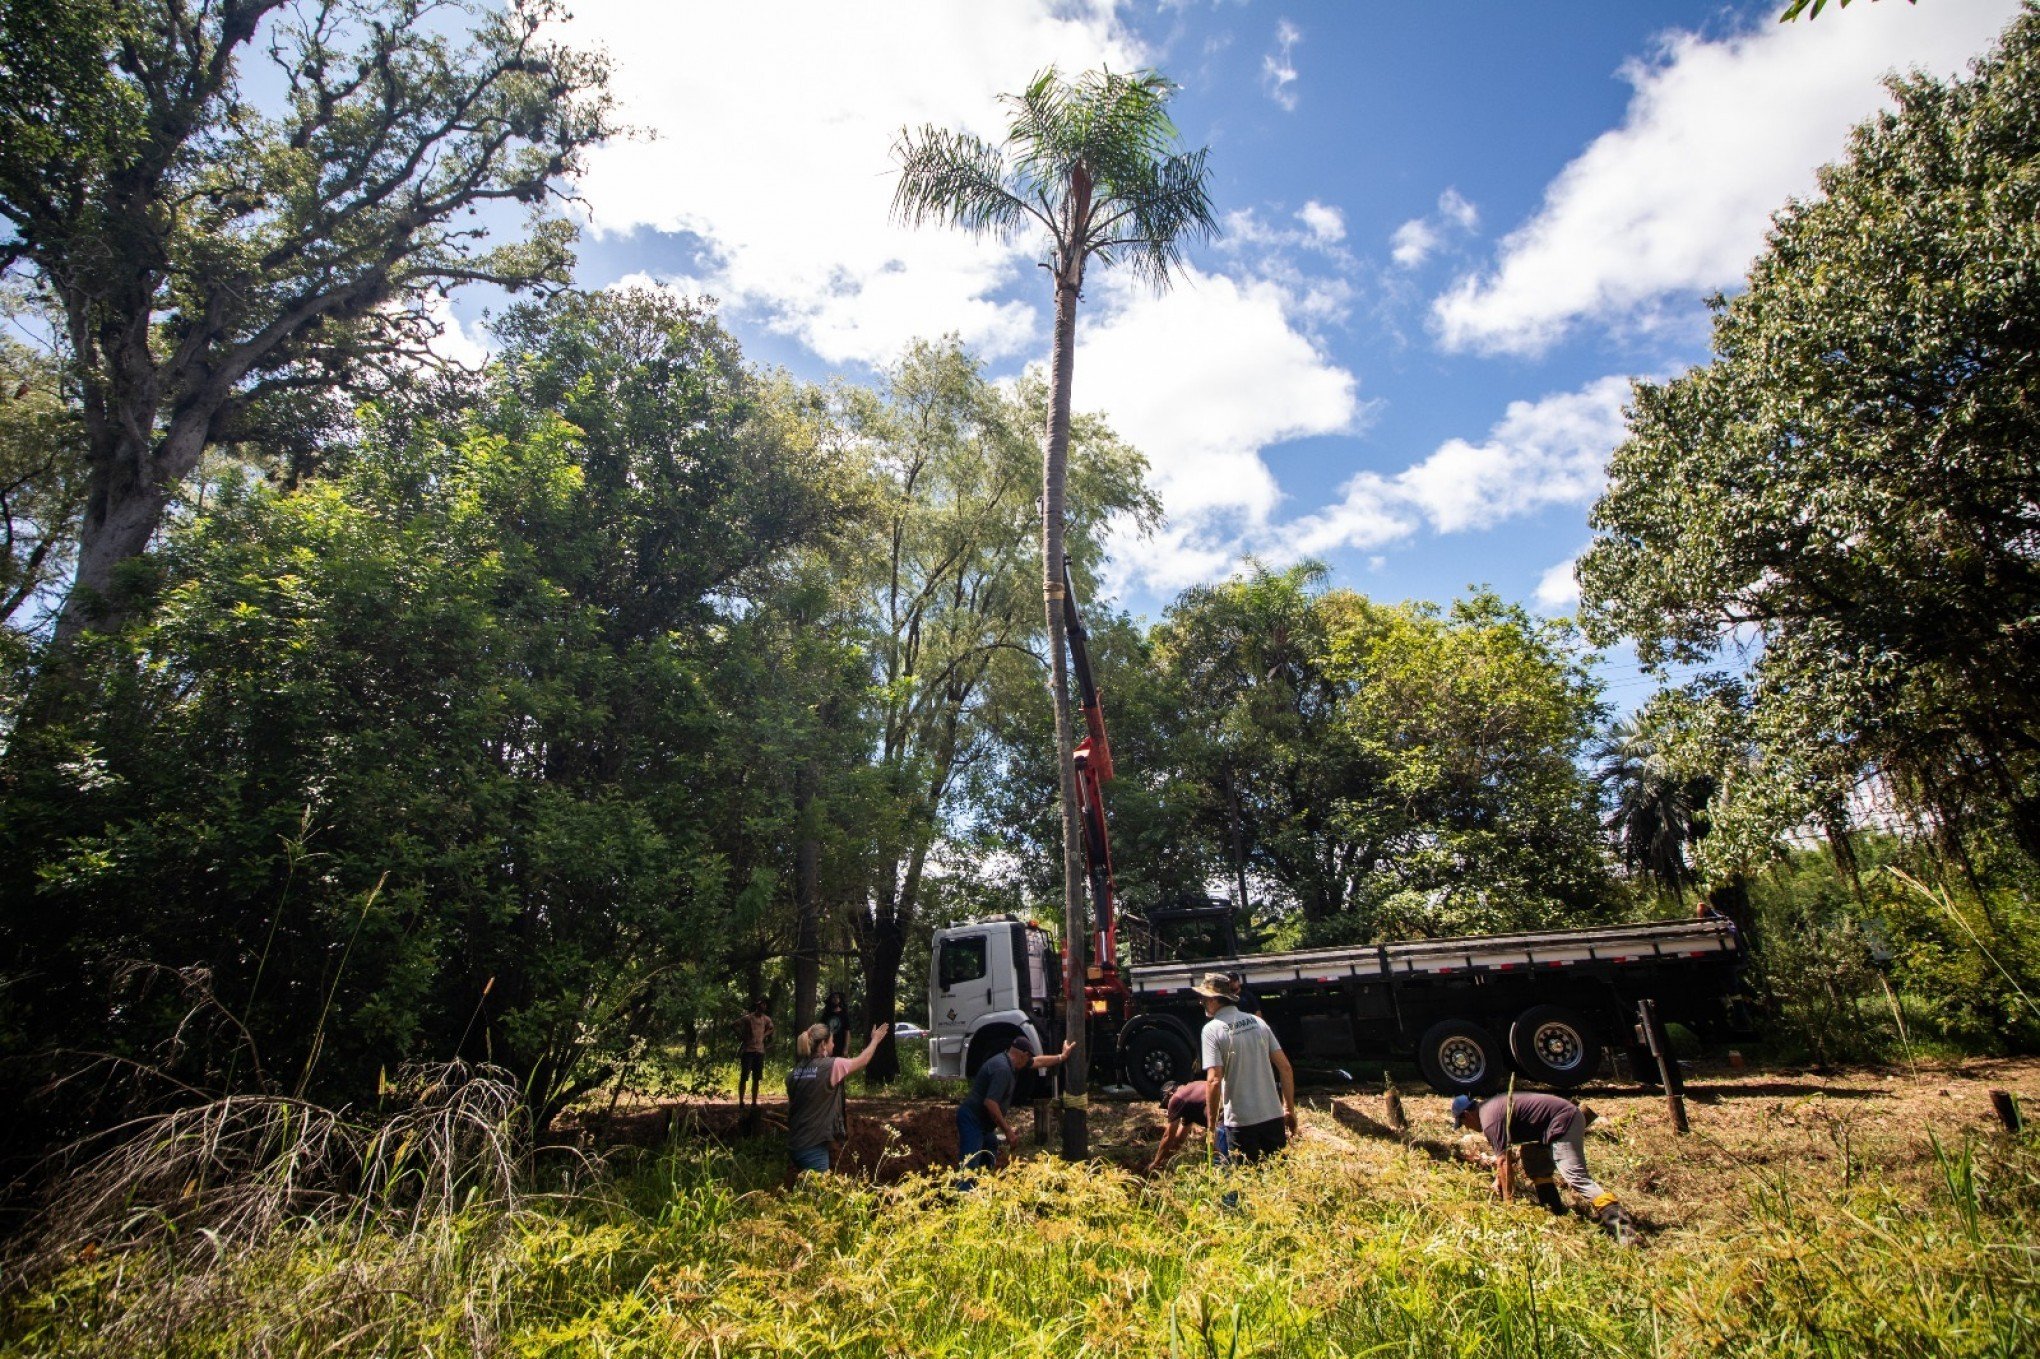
{"x": 956, "y": 179}
{"x": 1149, "y": 222}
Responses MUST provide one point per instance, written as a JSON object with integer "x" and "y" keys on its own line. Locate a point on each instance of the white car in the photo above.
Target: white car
{"x": 904, "y": 1032}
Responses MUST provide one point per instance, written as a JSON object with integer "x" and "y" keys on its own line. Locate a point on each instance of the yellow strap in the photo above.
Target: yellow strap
{"x": 1076, "y": 1101}
{"x": 1603, "y": 1201}
{"x": 1052, "y": 591}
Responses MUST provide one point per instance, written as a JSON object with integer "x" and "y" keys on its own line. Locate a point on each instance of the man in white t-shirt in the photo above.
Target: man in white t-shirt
{"x": 1243, "y": 1066}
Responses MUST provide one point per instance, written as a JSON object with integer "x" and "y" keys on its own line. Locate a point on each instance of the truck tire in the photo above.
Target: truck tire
{"x": 1554, "y": 1045}
{"x": 985, "y": 1044}
{"x": 1155, "y": 1056}
{"x": 1459, "y": 1057}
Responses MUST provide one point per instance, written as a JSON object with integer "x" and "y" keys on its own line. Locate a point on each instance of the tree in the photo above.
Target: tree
{"x": 1385, "y": 772}
{"x": 1852, "y": 486}
{"x": 42, "y": 485}
{"x": 210, "y": 249}
{"x": 1092, "y": 162}
{"x": 1652, "y": 813}
{"x": 1812, "y": 8}
{"x": 949, "y": 602}
{"x": 469, "y": 747}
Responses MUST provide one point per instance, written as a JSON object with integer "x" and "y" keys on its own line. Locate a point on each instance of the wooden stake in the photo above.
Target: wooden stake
{"x": 1653, "y": 1033}
{"x": 1398, "y": 1121}
{"x": 2006, "y": 1106}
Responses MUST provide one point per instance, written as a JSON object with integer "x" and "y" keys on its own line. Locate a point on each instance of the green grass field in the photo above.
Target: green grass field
{"x": 1824, "y": 1229}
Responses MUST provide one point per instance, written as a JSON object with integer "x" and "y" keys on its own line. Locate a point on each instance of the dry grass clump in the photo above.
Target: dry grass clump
{"x": 232, "y": 1172}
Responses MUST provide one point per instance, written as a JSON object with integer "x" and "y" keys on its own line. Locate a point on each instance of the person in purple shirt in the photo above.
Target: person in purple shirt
{"x": 1557, "y": 1129}
{"x": 1187, "y": 1108}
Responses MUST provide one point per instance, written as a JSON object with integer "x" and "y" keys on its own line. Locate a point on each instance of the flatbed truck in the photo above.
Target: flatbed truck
{"x": 1545, "y": 1004}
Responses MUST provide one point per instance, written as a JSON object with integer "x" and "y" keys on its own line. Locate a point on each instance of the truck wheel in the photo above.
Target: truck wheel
{"x": 1459, "y": 1058}
{"x": 1154, "y": 1057}
{"x": 1554, "y": 1045}
{"x": 986, "y": 1044}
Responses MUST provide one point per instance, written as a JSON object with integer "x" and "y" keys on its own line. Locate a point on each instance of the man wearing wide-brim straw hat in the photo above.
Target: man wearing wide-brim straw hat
{"x": 1252, "y": 1088}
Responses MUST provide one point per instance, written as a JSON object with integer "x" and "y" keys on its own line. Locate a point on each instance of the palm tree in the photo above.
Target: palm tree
{"x": 1653, "y": 813}
{"x": 1094, "y": 163}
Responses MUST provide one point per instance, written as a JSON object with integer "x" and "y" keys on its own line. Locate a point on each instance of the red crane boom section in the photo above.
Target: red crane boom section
{"x": 1093, "y": 759}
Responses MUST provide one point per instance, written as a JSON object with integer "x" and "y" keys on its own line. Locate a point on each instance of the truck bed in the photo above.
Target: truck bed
{"x": 1528, "y": 952}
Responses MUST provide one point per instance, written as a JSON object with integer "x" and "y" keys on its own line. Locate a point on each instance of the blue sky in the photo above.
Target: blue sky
{"x": 1454, "y": 232}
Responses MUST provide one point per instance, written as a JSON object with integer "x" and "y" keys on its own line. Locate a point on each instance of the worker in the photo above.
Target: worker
{"x": 1556, "y": 1128}
{"x": 754, "y": 1033}
{"x": 1185, "y": 1105}
{"x": 984, "y": 1109}
{"x": 815, "y": 1121}
{"x": 1243, "y": 1064}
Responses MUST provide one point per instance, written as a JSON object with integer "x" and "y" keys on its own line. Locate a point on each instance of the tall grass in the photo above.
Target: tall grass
{"x": 1344, "y": 1247}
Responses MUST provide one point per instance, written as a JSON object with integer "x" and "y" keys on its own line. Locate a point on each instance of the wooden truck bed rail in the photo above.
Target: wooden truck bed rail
{"x": 1531, "y": 952}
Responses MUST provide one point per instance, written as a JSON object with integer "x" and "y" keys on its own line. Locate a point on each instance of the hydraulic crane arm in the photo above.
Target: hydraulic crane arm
{"x": 1093, "y": 758}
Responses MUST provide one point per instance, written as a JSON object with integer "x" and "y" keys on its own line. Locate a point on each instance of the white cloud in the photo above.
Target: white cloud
{"x": 1325, "y": 223}
{"x": 1553, "y": 451}
{"x": 1278, "y": 68}
{"x": 1201, "y": 380}
{"x": 773, "y": 141}
{"x": 1455, "y": 209}
{"x": 1415, "y": 240}
{"x": 1557, "y": 591}
{"x": 1717, "y": 136}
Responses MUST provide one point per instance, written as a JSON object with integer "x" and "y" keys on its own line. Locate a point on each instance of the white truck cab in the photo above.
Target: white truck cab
{"x": 987, "y": 981}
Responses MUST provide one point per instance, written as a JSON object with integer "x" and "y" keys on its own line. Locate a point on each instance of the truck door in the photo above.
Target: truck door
{"x": 959, "y": 990}
{"x": 1011, "y": 985}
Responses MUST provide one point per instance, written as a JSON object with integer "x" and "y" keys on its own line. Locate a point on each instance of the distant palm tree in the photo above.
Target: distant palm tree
{"x": 1652, "y": 815}
{"x": 1093, "y": 162}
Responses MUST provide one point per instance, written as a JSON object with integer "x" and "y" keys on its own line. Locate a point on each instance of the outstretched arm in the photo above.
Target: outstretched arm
{"x": 1056, "y": 1060}
{"x": 863, "y": 1059}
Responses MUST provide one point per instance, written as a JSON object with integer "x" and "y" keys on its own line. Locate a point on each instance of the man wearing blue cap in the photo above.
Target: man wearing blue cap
{"x": 983, "y": 1111}
{"x": 1551, "y": 1129}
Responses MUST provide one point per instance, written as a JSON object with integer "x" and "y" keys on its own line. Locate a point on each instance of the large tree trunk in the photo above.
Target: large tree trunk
{"x": 807, "y": 902}
{"x": 882, "y": 942}
{"x": 131, "y": 487}
{"x": 1054, "y": 474}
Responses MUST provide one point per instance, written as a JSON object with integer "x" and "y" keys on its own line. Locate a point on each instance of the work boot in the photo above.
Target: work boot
{"x": 1616, "y": 1223}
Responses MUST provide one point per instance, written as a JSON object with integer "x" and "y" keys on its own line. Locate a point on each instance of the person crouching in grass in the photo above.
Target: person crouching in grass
{"x": 1187, "y": 1108}
{"x": 815, "y": 1122}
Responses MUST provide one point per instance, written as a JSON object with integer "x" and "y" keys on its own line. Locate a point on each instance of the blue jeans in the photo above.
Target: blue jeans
{"x": 809, "y": 1158}
{"x": 975, "y": 1147}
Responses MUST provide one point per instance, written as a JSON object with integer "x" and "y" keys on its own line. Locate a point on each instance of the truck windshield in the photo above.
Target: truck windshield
{"x": 963, "y": 960}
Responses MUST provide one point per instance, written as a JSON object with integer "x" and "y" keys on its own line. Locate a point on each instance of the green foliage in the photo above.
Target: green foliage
{"x": 448, "y": 754}
{"x": 1368, "y": 771}
{"x": 1091, "y": 160}
{"x": 42, "y": 492}
{"x": 1871, "y": 961}
{"x": 211, "y": 249}
{"x": 1853, "y": 478}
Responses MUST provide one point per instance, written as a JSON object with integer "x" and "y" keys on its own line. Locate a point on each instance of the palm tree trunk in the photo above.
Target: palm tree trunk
{"x": 1054, "y": 474}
